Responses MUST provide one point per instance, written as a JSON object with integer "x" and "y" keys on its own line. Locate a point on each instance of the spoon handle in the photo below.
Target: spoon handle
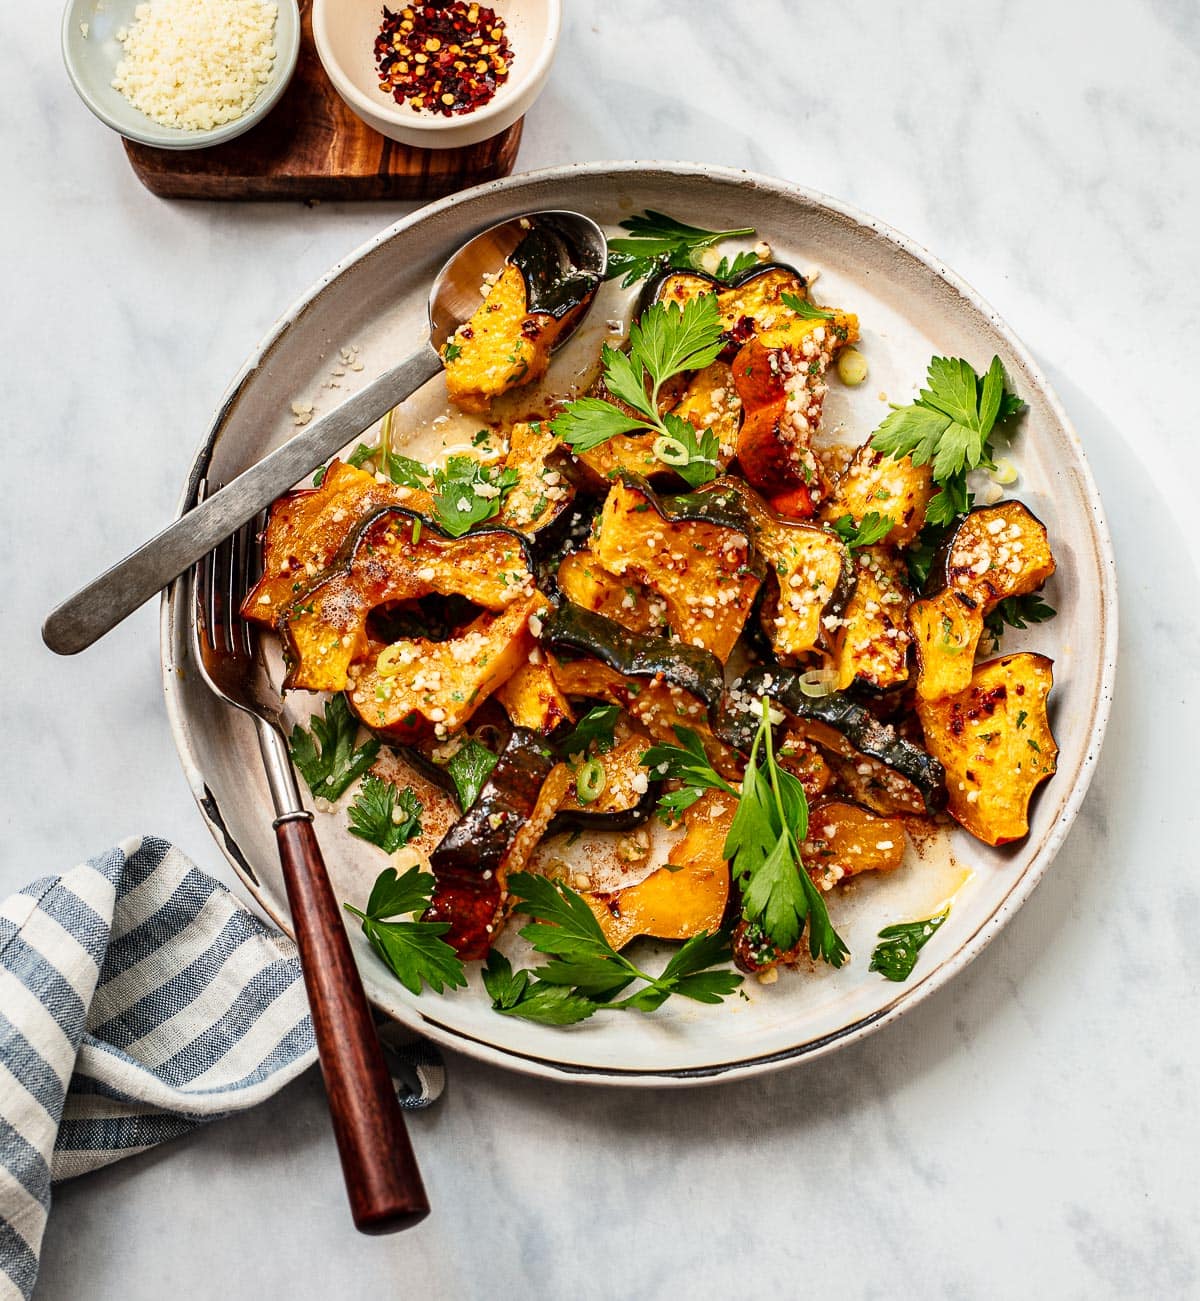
{"x": 98, "y": 607}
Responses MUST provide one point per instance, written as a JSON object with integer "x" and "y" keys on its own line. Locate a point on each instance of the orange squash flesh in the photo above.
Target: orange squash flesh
{"x": 326, "y": 630}
{"x": 995, "y": 742}
{"x": 676, "y": 904}
{"x": 307, "y": 529}
{"x": 698, "y": 569}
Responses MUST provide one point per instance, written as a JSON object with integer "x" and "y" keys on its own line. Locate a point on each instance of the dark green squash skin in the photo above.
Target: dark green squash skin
{"x": 555, "y": 283}
{"x": 844, "y": 715}
{"x": 634, "y": 655}
{"x": 466, "y": 864}
{"x": 653, "y": 291}
{"x": 614, "y": 820}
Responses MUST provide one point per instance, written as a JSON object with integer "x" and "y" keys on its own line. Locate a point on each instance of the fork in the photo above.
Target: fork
{"x": 382, "y": 1178}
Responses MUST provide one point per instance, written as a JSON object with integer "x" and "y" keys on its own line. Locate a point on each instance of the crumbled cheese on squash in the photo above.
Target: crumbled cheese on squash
{"x": 197, "y": 64}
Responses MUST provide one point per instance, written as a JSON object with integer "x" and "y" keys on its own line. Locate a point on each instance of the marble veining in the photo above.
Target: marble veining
{"x": 1031, "y": 1129}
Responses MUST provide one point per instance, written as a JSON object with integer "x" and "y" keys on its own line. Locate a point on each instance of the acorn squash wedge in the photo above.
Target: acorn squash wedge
{"x": 472, "y": 862}
{"x": 874, "y": 481}
{"x": 845, "y": 839}
{"x": 873, "y": 639}
{"x": 702, "y": 571}
{"x": 531, "y": 697}
{"x": 626, "y": 799}
{"x": 307, "y": 529}
{"x": 395, "y": 556}
{"x": 542, "y": 491}
{"x": 995, "y": 742}
{"x": 684, "y": 898}
{"x": 538, "y": 295}
{"x": 584, "y": 581}
{"x": 993, "y": 553}
{"x": 416, "y": 687}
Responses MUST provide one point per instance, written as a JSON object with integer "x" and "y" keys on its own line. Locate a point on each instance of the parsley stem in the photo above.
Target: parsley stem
{"x": 350, "y": 908}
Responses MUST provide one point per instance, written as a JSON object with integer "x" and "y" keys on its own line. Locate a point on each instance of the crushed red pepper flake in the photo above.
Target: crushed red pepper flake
{"x": 449, "y": 61}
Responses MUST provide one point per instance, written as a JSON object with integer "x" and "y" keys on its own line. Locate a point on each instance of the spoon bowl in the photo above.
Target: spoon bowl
{"x": 571, "y": 249}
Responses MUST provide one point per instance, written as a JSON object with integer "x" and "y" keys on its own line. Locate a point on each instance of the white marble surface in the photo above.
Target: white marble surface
{"x": 1030, "y": 1130}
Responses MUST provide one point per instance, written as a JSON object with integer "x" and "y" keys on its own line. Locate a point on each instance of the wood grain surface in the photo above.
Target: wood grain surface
{"x": 311, "y": 146}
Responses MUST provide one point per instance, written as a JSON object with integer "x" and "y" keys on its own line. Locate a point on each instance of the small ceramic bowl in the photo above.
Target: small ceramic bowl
{"x": 91, "y": 52}
{"x": 345, "y": 32}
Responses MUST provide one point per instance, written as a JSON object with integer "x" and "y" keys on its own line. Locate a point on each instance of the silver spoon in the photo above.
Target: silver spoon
{"x": 574, "y": 251}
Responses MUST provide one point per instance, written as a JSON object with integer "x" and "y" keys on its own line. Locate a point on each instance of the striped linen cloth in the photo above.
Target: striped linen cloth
{"x": 138, "y": 999}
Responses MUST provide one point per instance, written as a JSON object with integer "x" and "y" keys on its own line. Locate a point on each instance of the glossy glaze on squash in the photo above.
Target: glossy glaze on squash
{"x": 307, "y": 529}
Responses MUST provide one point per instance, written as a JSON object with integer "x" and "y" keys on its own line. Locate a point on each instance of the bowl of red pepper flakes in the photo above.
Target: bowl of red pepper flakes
{"x": 437, "y": 76}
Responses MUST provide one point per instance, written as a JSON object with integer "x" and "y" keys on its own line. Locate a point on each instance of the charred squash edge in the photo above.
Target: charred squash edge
{"x": 870, "y": 737}
{"x": 635, "y": 655}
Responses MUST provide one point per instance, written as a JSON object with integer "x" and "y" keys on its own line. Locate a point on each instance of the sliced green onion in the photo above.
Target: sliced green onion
{"x": 818, "y": 682}
{"x": 1004, "y": 473}
{"x": 590, "y": 781}
{"x": 851, "y": 367}
{"x": 670, "y": 451}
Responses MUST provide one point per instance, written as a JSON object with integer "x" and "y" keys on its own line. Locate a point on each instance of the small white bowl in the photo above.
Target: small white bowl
{"x": 91, "y": 52}
{"x": 345, "y": 32}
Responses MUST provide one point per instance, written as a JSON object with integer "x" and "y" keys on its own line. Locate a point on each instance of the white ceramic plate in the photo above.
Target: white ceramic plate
{"x": 910, "y": 307}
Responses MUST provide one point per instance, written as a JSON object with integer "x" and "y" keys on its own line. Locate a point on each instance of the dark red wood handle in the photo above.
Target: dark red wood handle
{"x": 382, "y": 1179}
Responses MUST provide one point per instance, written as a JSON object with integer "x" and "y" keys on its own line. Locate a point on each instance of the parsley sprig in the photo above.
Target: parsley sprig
{"x": 657, "y": 242}
{"x": 949, "y": 426}
{"x": 325, "y": 755}
{"x": 414, "y": 951}
{"x": 457, "y": 499}
{"x": 805, "y": 310}
{"x": 597, "y": 728}
{"x": 763, "y": 844}
{"x": 872, "y": 528}
{"x": 1017, "y": 612}
{"x": 385, "y": 815}
{"x": 469, "y": 767}
{"x": 666, "y": 341}
{"x": 585, "y": 973}
{"x": 899, "y": 946}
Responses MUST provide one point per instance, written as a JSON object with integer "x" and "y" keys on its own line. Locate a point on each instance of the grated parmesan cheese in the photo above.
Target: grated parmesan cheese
{"x": 197, "y": 64}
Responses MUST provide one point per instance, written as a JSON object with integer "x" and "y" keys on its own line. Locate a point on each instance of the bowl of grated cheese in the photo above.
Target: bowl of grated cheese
{"x": 181, "y": 74}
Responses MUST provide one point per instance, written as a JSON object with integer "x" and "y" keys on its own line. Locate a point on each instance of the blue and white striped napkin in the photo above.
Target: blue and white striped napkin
{"x": 138, "y": 999}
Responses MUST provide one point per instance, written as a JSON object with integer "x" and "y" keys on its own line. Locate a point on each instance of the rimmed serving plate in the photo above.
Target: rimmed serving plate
{"x": 372, "y": 306}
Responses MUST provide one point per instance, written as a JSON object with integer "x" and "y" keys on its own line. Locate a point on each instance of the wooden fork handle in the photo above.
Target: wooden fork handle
{"x": 382, "y": 1179}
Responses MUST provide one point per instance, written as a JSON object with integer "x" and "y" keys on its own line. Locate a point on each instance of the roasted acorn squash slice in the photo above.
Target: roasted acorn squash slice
{"x": 873, "y": 481}
{"x": 583, "y": 580}
{"x": 627, "y": 798}
{"x": 410, "y": 689}
{"x": 492, "y": 838}
{"x": 701, "y": 571}
{"x": 872, "y": 642}
{"x": 531, "y": 697}
{"x": 995, "y": 741}
{"x": 507, "y": 342}
{"x": 395, "y": 556}
{"x": 542, "y": 492}
{"x": 307, "y": 529}
{"x": 994, "y": 553}
{"x": 845, "y": 839}
{"x": 684, "y": 898}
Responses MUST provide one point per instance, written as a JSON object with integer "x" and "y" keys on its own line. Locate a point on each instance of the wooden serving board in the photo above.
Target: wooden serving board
{"x": 311, "y": 146}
